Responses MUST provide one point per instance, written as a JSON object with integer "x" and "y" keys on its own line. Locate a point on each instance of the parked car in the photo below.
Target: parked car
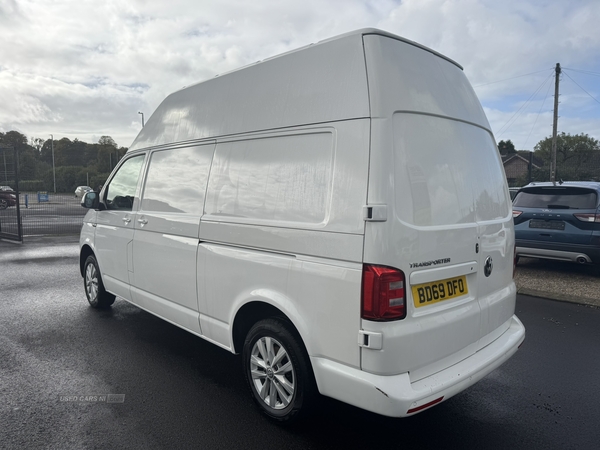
{"x": 5, "y": 188}
{"x": 513, "y": 192}
{"x": 7, "y": 198}
{"x": 558, "y": 221}
{"x": 81, "y": 190}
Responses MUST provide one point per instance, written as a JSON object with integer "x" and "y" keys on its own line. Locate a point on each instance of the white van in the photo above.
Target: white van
{"x": 338, "y": 215}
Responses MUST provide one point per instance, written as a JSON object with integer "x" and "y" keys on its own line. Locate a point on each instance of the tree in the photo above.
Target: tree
{"x": 75, "y": 161}
{"x": 46, "y": 151}
{"x": 107, "y": 141}
{"x": 14, "y": 139}
{"x": 506, "y": 147}
{"x": 61, "y": 152}
{"x": 108, "y": 154}
{"x": 577, "y": 156}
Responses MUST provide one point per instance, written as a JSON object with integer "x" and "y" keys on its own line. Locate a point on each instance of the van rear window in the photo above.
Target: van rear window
{"x": 556, "y": 198}
{"x": 447, "y": 172}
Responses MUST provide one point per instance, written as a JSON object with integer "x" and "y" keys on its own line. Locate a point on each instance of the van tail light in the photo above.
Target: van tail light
{"x": 383, "y": 293}
{"x": 588, "y": 217}
{"x": 517, "y": 213}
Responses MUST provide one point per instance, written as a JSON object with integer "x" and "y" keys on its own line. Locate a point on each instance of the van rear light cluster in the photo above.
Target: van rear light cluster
{"x": 588, "y": 217}
{"x": 383, "y": 293}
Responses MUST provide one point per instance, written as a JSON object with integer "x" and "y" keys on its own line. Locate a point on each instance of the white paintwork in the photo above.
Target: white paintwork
{"x": 321, "y": 297}
{"x": 366, "y": 148}
{"x": 166, "y": 237}
{"x": 395, "y": 395}
{"x": 317, "y": 84}
{"x": 435, "y": 164}
{"x": 113, "y": 241}
{"x": 335, "y": 156}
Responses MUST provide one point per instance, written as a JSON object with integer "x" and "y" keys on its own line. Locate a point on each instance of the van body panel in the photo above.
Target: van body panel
{"x": 167, "y": 224}
{"x": 115, "y": 227}
{"x": 340, "y": 246}
{"x": 435, "y": 165}
{"x": 229, "y": 277}
{"x": 174, "y": 312}
{"x": 396, "y": 395}
{"x": 404, "y": 77}
{"x": 318, "y": 84}
{"x": 497, "y": 292}
{"x": 114, "y": 233}
{"x": 310, "y": 178}
{"x": 296, "y": 287}
{"x": 172, "y": 276}
{"x": 277, "y": 180}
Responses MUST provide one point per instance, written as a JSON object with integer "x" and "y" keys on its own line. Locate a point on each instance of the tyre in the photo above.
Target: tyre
{"x": 277, "y": 369}
{"x": 3, "y": 204}
{"x": 94, "y": 288}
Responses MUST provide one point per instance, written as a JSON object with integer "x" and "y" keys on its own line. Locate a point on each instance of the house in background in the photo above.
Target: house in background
{"x": 516, "y": 166}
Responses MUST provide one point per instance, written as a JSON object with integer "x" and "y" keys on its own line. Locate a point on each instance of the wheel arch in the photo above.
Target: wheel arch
{"x": 253, "y": 312}
{"x": 86, "y": 251}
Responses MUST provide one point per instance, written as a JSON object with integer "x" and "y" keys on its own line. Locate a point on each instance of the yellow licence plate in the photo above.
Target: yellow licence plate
{"x": 438, "y": 291}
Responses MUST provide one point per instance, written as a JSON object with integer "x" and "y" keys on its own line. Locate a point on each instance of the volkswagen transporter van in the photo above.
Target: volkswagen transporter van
{"x": 338, "y": 215}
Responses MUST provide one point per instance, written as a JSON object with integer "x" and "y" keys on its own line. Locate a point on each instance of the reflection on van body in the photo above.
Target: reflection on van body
{"x": 290, "y": 210}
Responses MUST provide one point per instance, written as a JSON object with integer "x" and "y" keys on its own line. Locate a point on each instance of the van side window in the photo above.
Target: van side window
{"x": 120, "y": 193}
{"x": 176, "y": 180}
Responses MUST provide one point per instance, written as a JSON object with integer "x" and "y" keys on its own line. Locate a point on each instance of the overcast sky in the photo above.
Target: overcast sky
{"x": 84, "y": 68}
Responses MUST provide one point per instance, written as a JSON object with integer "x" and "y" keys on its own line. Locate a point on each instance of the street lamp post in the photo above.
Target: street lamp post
{"x": 139, "y": 112}
{"x": 53, "y": 167}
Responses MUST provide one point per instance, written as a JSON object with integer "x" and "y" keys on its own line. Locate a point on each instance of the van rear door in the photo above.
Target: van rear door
{"x": 436, "y": 170}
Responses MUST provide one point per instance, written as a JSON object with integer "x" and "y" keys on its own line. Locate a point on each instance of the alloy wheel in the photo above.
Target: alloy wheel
{"x": 91, "y": 282}
{"x": 273, "y": 374}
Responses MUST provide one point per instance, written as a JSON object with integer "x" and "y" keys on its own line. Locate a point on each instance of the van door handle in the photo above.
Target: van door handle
{"x": 126, "y": 219}
{"x": 142, "y": 221}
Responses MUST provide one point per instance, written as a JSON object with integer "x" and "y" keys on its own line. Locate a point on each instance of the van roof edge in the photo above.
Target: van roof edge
{"x": 377, "y": 31}
{"x": 361, "y": 31}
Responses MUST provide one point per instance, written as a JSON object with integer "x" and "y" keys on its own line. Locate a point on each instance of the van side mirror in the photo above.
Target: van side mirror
{"x": 90, "y": 200}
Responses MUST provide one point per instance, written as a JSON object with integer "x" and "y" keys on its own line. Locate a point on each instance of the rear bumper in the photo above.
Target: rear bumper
{"x": 558, "y": 251}
{"x": 395, "y": 395}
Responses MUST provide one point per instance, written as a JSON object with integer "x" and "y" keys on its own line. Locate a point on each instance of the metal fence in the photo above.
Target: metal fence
{"x": 46, "y": 213}
{"x": 523, "y": 167}
{"x": 10, "y": 217}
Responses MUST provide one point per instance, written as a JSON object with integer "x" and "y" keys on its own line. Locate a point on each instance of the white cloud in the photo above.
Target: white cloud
{"x": 85, "y": 68}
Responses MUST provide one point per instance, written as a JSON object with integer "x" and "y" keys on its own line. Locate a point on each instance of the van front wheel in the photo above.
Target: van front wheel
{"x": 277, "y": 370}
{"x": 94, "y": 288}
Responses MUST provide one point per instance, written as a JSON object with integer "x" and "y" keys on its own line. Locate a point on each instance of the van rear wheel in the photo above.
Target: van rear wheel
{"x": 277, "y": 370}
{"x": 94, "y": 288}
